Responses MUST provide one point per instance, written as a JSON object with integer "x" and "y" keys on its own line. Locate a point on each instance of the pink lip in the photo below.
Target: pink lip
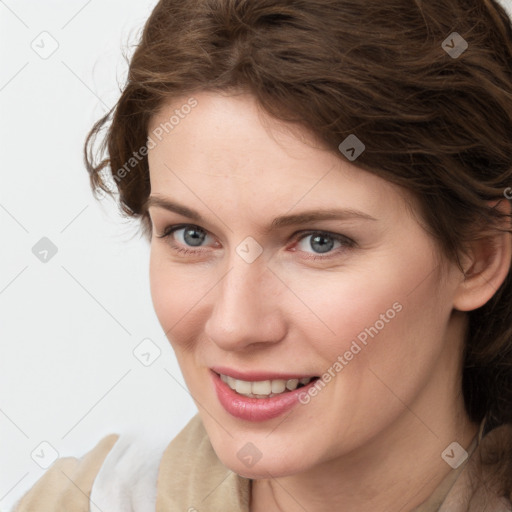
{"x": 255, "y": 409}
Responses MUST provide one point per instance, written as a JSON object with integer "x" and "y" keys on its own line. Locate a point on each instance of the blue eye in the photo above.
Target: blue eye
{"x": 191, "y": 236}
{"x": 319, "y": 243}
{"x": 188, "y": 239}
{"x": 322, "y": 242}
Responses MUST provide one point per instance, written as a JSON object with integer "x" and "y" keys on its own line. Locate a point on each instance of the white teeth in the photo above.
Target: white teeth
{"x": 278, "y": 386}
{"x": 243, "y": 387}
{"x": 292, "y": 384}
{"x": 263, "y": 388}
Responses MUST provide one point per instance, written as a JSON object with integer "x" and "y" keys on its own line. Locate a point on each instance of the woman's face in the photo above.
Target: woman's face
{"x": 252, "y": 286}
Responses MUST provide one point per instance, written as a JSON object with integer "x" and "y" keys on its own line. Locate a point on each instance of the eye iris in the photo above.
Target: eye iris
{"x": 193, "y": 236}
{"x": 319, "y": 243}
{"x": 321, "y": 246}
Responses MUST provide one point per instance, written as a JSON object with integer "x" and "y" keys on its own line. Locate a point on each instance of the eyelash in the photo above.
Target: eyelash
{"x": 346, "y": 243}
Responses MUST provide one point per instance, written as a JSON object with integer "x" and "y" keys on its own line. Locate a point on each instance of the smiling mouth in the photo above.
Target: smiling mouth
{"x": 265, "y": 388}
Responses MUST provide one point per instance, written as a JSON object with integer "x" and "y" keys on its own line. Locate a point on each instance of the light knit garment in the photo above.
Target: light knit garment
{"x": 131, "y": 473}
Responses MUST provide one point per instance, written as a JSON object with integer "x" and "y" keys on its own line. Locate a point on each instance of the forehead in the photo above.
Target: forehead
{"x": 226, "y": 148}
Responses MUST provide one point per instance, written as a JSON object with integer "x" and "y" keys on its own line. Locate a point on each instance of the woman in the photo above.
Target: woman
{"x": 324, "y": 185}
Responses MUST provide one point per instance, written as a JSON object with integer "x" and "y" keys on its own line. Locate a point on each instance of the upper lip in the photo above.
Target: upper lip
{"x": 259, "y": 375}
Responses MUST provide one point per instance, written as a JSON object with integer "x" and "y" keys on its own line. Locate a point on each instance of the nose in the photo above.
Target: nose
{"x": 247, "y": 308}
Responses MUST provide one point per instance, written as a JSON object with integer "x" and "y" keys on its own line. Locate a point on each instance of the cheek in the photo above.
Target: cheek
{"x": 347, "y": 306}
{"x": 168, "y": 291}
{"x": 176, "y": 292}
{"x": 161, "y": 283}
{"x": 380, "y": 315}
{"x": 394, "y": 339}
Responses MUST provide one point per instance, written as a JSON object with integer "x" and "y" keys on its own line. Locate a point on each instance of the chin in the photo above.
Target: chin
{"x": 261, "y": 470}
{"x": 260, "y": 466}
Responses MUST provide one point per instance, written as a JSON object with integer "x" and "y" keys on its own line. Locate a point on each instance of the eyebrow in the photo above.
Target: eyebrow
{"x": 278, "y": 222}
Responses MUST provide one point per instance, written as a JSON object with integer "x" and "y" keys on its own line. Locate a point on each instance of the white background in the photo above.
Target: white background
{"x": 69, "y": 326}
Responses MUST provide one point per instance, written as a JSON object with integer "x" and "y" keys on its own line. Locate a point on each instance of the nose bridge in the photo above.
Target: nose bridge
{"x": 245, "y": 310}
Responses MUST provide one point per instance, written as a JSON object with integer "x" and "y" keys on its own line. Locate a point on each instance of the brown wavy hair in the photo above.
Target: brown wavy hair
{"x": 438, "y": 125}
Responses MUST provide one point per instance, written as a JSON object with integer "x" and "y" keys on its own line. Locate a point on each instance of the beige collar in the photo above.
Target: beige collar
{"x": 191, "y": 477}
{"x": 436, "y": 499}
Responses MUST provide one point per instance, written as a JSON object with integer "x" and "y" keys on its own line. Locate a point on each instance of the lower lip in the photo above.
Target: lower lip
{"x": 256, "y": 409}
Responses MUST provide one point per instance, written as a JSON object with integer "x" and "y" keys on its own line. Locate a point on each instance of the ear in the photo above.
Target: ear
{"x": 486, "y": 264}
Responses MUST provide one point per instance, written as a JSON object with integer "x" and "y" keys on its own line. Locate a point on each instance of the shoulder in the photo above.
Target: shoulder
{"x": 67, "y": 484}
{"x": 120, "y": 473}
{"x": 128, "y": 478}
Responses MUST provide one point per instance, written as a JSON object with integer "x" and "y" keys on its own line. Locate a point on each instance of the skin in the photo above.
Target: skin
{"x": 372, "y": 438}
